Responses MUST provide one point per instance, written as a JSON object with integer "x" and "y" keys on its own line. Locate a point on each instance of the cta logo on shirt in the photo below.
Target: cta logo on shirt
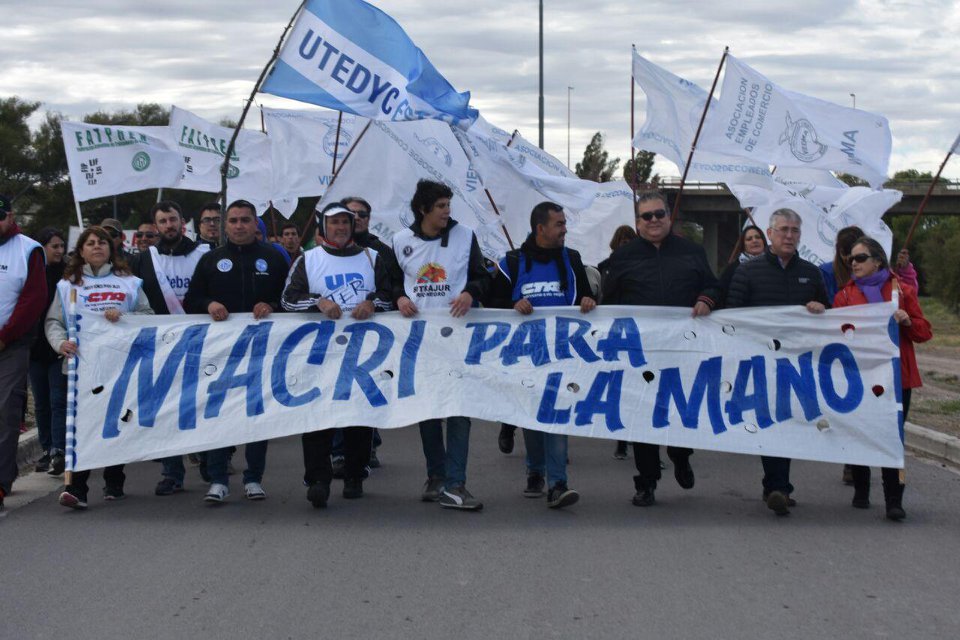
{"x": 431, "y": 281}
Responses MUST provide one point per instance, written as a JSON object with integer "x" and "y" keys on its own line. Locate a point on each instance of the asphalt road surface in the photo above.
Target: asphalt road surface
{"x": 712, "y": 562}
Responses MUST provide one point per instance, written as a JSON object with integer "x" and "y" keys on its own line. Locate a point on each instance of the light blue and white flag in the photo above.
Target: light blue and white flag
{"x": 674, "y": 108}
{"x": 760, "y": 121}
{"x": 350, "y": 56}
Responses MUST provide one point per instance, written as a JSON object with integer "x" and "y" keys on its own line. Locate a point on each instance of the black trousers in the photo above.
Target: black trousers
{"x": 890, "y": 476}
{"x": 357, "y": 442}
{"x": 112, "y": 477}
{"x": 647, "y": 459}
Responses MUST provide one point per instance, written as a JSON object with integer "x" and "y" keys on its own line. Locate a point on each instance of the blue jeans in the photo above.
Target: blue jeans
{"x": 254, "y": 452}
{"x": 49, "y": 387}
{"x": 173, "y": 468}
{"x": 546, "y": 455}
{"x": 450, "y": 462}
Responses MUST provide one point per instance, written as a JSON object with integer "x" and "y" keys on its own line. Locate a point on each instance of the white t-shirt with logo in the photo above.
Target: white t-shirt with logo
{"x": 433, "y": 274}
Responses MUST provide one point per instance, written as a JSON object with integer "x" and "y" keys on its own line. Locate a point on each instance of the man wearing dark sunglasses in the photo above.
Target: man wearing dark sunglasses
{"x": 146, "y": 236}
{"x": 659, "y": 269}
{"x": 779, "y": 277}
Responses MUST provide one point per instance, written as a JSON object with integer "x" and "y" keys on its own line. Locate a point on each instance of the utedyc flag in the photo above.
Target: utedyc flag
{"x": 350, "y": 56}
{"x": 760, "y": 121}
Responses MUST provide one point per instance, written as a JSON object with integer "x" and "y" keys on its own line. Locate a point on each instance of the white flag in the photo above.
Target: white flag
{"x": 106, "y": 160}
{"x": 590, "y": 230}
{"x": 204, "y": 144}
{"x": 389, "y": 160}
{"x": 760, "y": 121}
{"x": 674, "y": 108}
{"x": 303, "y": 145}
{"x": 494, "y": 160}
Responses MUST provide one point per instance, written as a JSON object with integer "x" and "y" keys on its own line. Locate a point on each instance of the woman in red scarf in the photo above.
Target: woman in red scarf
{"x": 872, "y": 281}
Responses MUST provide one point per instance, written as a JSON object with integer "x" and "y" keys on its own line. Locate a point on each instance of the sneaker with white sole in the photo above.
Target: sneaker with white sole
{"x": 459, "y": 498}
{"x": 254, "y": 491}
{"x": 73, "y": 501}
{"x": 217, "y": 493}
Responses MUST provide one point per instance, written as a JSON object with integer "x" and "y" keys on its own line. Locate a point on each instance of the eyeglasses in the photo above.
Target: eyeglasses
{"x": 860, "y": 258}
{"x": 209, "y": 220}
{"x": 113, "y": 233}
{"x": 659, "y": 214}
{"x": 362, "y": 214}
{"x": 149, "y": 235}
{"x": 788, "y": 231}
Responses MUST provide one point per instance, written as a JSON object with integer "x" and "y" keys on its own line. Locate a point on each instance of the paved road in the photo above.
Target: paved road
{"x": 709, "y": 563}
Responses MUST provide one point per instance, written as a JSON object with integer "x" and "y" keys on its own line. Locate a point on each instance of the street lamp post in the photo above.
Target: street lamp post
{"x": 569, "y": 89}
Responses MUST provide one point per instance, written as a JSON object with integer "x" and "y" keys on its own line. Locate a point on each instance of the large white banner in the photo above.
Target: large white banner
{"x": 304, "y": 144}
{"x": 760, "y": 121}
{"x": 386, "y": 164}
{"x": 674, "y": 108}
{"x": 106, "y": 160}
{"x": 204, "y": 145}
{"x": 776, "y": 381}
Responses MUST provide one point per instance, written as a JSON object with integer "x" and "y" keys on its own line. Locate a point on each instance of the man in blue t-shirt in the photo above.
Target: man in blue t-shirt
{"x": 544, "y": 273}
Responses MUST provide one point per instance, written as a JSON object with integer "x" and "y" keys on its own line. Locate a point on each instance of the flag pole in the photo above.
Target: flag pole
{"x": 243, "y": 116}
{"x": 497, "y": 211}
{"x": 79, "y": 215}
{"x": 71, "y": 417}
{"x": 337, "y": 170}
{"x": 336, "y": 143}
{"x": 923, "y": 203}
{"x": 696, "y": 137}
{"x": 633, "y": 155}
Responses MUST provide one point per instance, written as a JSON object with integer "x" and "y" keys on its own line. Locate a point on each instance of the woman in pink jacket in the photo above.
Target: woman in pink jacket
{"x": 872, "y": 281}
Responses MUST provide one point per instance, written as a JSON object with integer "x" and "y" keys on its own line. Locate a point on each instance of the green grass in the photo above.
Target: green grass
{"x": 946, "y": 324}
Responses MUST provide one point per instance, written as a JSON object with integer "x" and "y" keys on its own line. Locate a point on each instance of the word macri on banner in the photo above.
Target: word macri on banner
{"x": 774, "y": 381}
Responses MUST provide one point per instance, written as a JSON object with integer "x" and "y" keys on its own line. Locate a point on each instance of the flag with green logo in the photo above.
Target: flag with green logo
{"x": 106, "y": 160}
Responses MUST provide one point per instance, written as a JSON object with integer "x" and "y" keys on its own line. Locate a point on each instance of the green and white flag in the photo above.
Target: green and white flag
{"x": 106, "y": 160}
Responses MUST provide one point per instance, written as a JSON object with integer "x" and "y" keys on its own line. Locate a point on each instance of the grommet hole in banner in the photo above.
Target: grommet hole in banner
{"x": 729, "y": 329}
{"x": 573, "y": 387}
{"x": 386, "y": 374}
{"x": 446, "y": 332}
{"x": 97, "y": 389}
{"x": 774, "y": 345}
{"x": 342, "y": 340}
{"x": 848, "y": 330}
{"x": 209, "y": 369}
{"x": 649, "y": 376}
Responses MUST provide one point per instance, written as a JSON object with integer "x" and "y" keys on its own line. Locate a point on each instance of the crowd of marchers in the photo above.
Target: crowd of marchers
{"x": 436, "y": 263}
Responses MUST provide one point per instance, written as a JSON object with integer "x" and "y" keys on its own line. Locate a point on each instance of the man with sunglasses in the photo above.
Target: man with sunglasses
{"x": 209, "y": 226}
{"x": 659, "y": 269}
{"x": 146, "y": 236}
{"x": 23, "y": 297}
{"x": 166, "y": 270}
{"x": 779, "y": 277}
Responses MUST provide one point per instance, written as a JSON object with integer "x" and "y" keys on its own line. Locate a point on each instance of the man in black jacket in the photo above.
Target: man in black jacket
{"x": 242, "y": 276}
{"x": 777, "y": 278}
{"x": 659, "y": 269}
{"x": 166, "y": 269}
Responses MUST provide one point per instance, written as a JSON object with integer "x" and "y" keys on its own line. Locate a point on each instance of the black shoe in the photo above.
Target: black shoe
{"x": 57, "y": 464}
{"x": 352, "y": 488}
{"x": 683, "y": 472}
{"x": 505, "y": 441}
{"x": 432, "y": 489}
{"x": 620, "y": 453}
{"x": 113, "y": 492}
{"x": 43, "y": 464}
{"x": 168, "y": 487}
{"x": 644, "y": 498}
{"x": 778, "y": 502}
{"x": 535, "y": 486}
{"x": 893, "y": 496}
{"x": 339, "y": 464}
{"x": 790, "y": 501}
{"x": 560, "y": 496}
{"x": 374, "y": 460}
{"x": 318, "y": 493}
{"x": 861, "y": 497}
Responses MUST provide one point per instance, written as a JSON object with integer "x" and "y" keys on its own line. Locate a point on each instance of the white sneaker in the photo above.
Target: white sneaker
{"x": 217, "y": 493}
{"x": 254, "y": 491}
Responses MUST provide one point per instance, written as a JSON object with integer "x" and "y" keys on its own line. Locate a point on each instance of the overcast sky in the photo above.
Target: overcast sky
{"x": 899, "y": 58}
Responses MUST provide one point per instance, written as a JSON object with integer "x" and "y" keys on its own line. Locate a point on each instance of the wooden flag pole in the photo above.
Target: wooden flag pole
{"x": 633, "y": 155}
{"x": 923, "y": 203}
{"x": 696, "y": 137}
{"x": 243, "y": 116}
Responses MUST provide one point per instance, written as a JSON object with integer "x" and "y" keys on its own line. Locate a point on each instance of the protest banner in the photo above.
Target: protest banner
{"x": 760, "y": 121}
{"x": 349, "y": 56}
{"x": 107, "y": 160}
{"x": 776, "y": 381}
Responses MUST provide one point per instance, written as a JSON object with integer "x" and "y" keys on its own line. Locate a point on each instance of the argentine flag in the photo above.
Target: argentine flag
{"x": 350, "y": 56}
